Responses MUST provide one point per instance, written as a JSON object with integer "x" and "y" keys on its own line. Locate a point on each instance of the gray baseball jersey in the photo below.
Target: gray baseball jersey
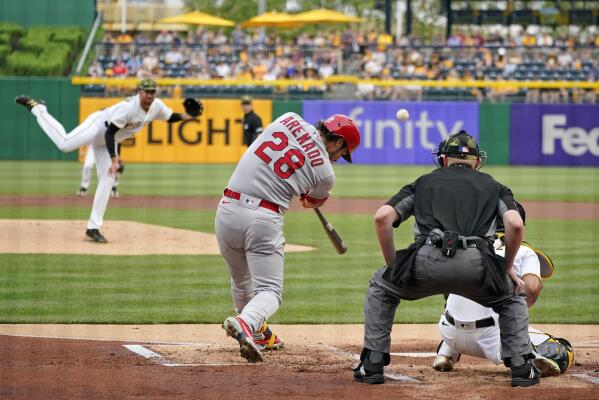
{"x": 288, "y": 159}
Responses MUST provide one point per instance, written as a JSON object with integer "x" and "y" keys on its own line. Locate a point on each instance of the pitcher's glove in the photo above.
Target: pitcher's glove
{"x": 193, "y": 107}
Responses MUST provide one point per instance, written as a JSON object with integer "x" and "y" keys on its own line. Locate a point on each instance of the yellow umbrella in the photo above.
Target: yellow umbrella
{"x": 271, "y": 19}
{"x": 197, "y": 18}
{"x": 324, "y": 15}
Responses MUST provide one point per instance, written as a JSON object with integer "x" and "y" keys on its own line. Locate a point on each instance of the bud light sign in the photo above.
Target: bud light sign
{"x": 387, "y": 140}
{"x": 554, "y": 134}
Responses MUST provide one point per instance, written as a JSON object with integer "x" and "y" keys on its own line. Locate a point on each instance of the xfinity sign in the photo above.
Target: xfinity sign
{"x": 391, "y": 132}
{"x": 387, "y": 140}
{"x": 575, "y": 141}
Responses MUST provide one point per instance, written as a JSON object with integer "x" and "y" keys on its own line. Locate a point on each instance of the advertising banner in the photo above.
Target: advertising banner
{"x": 215, "y": 138}
{"x": 554, "y": 134}
{"x": 387, "y": 140}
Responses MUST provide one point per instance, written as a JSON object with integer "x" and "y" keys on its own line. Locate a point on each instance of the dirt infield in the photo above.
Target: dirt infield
{"x": 534, "y": 209}
{"x": 198, "y": 361}
{"x": 125, "y": 238}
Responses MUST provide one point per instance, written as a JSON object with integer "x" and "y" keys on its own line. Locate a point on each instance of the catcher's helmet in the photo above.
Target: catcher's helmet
{"x": 341, "y": 125}
{"x": 558, "y": 350}
{"x": 459, "y": 145}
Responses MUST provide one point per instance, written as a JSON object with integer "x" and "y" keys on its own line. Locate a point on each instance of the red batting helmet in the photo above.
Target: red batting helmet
{"x": 342, "y": 125}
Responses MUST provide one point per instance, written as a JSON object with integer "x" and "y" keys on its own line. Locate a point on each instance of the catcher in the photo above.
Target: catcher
{"x": 469, "y": 328}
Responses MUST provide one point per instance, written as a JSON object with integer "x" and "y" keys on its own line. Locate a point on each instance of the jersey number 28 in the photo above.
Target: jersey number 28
{"x": 285, "y": 166}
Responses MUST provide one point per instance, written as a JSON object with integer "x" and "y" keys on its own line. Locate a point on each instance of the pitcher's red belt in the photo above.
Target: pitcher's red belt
{"x": 263, "y": 203}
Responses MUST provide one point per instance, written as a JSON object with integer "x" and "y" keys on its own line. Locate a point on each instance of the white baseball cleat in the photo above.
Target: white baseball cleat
{"x": 443, "y": 363}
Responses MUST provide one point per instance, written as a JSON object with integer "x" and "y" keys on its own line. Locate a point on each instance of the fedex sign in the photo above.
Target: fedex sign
{"x": 574, "y": 140}
{"x": 551, "y": 134}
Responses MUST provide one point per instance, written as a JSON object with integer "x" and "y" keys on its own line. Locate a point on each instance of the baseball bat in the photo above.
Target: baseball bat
{"x": 331, "y": 232}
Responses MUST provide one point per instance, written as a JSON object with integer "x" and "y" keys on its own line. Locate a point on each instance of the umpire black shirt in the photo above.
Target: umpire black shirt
{"x": 252, "y": 127}
{"x": 455, "y": 198}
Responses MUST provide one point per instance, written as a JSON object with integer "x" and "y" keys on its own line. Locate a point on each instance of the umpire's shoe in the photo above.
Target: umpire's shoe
{"x": 95, "y": 235}
{"x": 525, "y": 375}
{"x": 27, "y": 102}
{"x": 371, "y": 367}
{"x": 239, "y": 330}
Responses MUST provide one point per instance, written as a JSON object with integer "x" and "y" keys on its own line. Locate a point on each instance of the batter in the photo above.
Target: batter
{"x": 291, "y": 158}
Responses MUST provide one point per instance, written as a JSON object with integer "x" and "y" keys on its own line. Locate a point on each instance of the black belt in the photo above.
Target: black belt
{"x": 481, "y": 323}
{"x": 470, "y": 243}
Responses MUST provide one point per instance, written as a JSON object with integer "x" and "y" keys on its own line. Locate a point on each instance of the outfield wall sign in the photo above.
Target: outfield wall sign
{"x": 386, "y": 140}
{"x": 566, "y": 135}
{"x": 215, "y": 138}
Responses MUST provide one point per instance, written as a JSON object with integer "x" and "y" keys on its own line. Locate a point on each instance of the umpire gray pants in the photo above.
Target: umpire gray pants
{"x": 434, "y": 273}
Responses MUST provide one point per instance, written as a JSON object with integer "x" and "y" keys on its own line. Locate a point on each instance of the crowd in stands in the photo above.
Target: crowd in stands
{"x": 465, "y": 56}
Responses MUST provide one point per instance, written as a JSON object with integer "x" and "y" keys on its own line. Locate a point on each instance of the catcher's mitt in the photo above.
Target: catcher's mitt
{"x": 193, "y": 107}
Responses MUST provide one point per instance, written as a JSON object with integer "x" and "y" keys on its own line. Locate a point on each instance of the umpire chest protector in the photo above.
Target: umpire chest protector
{"x": 457, "y": 199}
{"x": 454, "y": 199}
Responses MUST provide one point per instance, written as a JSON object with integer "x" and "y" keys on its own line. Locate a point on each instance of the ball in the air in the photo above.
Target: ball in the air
{"x": 402, "y": 114}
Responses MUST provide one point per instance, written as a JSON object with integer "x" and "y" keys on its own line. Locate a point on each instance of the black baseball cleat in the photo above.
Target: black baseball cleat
{"x": 95, "y": 235}
{"x": 372, "y": 377}
{"x": 27, "y": 102}
{"x": 525, "y": 375}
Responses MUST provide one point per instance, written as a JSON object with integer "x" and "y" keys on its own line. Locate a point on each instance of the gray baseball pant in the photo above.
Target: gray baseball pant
{"x": 436, "y": 274}
{"x": 252, "y": 243}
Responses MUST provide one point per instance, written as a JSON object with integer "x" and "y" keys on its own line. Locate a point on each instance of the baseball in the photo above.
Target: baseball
{"x": 402, "y": 114}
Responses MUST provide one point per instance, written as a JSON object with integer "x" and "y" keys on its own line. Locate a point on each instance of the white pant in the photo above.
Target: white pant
{"x": 481, "y": 342}
{"x": 91, "y": 131}
{"x": 86, "y": 170}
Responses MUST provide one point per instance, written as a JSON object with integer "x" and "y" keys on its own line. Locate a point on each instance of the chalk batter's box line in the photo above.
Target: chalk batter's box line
{"x": 158, "y": 358}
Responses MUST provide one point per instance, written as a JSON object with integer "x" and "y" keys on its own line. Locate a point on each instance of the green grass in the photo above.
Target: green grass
{"x": 61, "y": 177}
{"x": 320, "y": 286}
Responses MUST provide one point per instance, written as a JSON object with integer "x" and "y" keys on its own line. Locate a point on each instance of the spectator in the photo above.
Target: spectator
{"x": 173, "y": 56}
{"x": 164, "y": 37}
{"x": 95, "y": 70}
{"x": 124, "y": 38}
{"x": 108, "y": 38}
{"x": 150, "y": 61}
{"x": 120, "y": 69}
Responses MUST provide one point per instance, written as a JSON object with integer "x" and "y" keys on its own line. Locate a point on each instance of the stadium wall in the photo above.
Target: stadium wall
{"x": 49, "y": 12}
{"x": 512, "y": 134}
{"x": 21, "y": 137}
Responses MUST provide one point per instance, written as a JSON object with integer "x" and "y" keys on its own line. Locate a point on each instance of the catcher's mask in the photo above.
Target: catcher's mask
{"x": 459, "y": 145}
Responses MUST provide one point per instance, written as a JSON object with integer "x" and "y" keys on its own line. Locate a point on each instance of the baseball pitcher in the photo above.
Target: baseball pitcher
{"x": 101, "y": 130}
{"x": 291, "y": 158}
{"x": 469, "y": 328}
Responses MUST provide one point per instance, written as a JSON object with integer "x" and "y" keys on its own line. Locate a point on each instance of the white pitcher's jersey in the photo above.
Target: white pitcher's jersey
{"x": 463, "y": 309}
{"x": 131, "y": 118}
{"x": 288, "y": 159}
